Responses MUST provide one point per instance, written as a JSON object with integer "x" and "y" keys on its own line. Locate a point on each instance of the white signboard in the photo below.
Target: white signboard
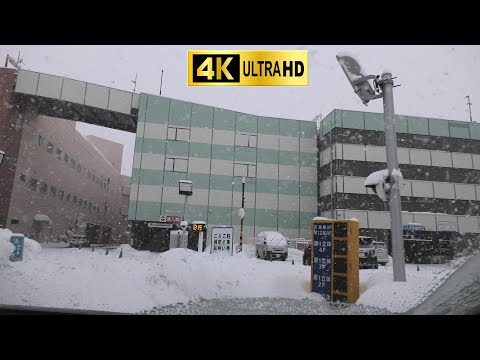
{"x": 185, "y": 187}
{"x": 447, "y": 226}
{"x": 222, "y": 240}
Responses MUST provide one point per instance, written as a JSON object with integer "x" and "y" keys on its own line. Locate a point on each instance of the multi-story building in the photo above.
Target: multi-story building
{"x": 55, "y": 178}
{"x": 293, "y": 171}
{"x": 215, "y": 148}
{"x": 439, "y": 160}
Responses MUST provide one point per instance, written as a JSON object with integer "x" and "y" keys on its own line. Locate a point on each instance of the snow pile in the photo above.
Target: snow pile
{"x": 6, "y": 247}
{"x": 30, "y": 247}
{"x": 141, "y": 280}
{"x": 378, "y": 289}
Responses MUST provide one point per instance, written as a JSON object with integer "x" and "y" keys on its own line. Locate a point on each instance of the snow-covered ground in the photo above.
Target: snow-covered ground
{"x": 140, "y": 280}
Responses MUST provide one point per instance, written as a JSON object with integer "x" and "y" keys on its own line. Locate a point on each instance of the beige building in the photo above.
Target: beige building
{"x": 64, "y": 180}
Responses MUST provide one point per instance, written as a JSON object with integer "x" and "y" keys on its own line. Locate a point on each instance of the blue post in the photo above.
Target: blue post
{"x": 18, "y": 241}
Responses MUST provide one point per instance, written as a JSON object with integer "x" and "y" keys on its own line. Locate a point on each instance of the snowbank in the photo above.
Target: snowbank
{"x": 30, "y": 247}
{"x": 141, "y": 280}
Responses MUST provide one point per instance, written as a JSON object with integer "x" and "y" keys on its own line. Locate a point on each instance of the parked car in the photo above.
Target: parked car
{"x": 366, "y": 253}
{"x": 307, "y": 255}
{"x": 78, "y": 241}
{"x": 381, "y": 252}
{"x": 271, "y": 243}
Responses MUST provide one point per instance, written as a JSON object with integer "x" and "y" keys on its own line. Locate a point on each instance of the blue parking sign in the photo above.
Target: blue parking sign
{"x": 322, "y": 260}
{"x": 18, "y": 241}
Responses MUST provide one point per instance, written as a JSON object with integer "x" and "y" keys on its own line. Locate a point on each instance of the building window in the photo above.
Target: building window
{"x": 79, "y": 168}
{"x": 89, "y": 175}
{"x": 33, "y": 184}
{"x": 79, "y": 202}
{"x": 39, "y": 140}
{"x": 61, "y": 193}
{"x": 43, "y": 187}
{"x": 89, "y": 206}
{"x": 73, "y": 163}
{"x": 246, "y": 140}
{"x": 175, "y": 164}
{"x": 50, "y": 148}
{"x": 23, "y": 178}
{"x": 68, "y": 197}
{"x": 106, "y": 206}
{"x": 53, "y": 191}
{"x": 59, "y": 154}
{"x": 65, "y": 157}
{"x": 74, "y": 200}
{"x": 179, "y": 134}
{"x": 252, "y": 171}
{"x": 14, "y": 221}
{"x": 246, "y": 170}
{"x": 124, "y": 210}
{"x": 108, "y": 183}
{"x": 85, "y": 203}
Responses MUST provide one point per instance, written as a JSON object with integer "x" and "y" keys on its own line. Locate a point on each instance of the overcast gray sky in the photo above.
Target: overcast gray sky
{"x": 434, "y": 79}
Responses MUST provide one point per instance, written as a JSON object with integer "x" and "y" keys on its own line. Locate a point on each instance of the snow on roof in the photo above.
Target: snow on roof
{"x": 41, "y": 217}
{"x": 320, "y": 218}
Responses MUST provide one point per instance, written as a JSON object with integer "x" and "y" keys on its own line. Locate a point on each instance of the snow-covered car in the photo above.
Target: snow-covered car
{"x": 271, "y": 243}
{"x": 366, "y": 253}
{"x": 78, "y": 240}
{"x": 381, "y": 252}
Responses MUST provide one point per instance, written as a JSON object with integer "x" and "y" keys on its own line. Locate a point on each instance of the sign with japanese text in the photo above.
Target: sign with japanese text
{"x": 322, "y": 260}
{"x": 222, "y": 240}
{"x": 171, "y": 218}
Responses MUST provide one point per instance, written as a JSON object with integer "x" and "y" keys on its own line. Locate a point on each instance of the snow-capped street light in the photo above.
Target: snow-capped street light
{"x": 383, "y": 88}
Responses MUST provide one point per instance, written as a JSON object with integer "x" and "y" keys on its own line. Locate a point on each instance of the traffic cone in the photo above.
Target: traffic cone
{"x": 121, "y": 254}
{"x": 418, "y": 268}
{"x": 106, "y": 251}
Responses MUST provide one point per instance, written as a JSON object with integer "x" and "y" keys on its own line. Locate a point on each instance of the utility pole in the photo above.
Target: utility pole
{"x": 469, "y": 106}
{"x": 134, "y": 82}
{"x": 243, "y": 207}
{"x": 161, "y": 82}
{"x": 386, "y": 84}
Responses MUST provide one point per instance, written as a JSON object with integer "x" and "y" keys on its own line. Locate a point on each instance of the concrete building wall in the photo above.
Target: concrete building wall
{"x": 215, "y": 148}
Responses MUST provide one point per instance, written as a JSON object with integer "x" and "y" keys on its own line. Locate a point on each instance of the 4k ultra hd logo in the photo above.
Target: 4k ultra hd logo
{"x": 248, "y": 68}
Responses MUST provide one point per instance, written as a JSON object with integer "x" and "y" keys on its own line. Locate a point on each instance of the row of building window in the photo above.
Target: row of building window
{"x": 43, "y": 187}
{"x": 183, "y": 134}
{"x": 239, "y": 169}
{"x": 100, "y": 181}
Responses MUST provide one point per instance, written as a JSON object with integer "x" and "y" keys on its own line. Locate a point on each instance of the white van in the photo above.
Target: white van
{"x": 271, "y": 243}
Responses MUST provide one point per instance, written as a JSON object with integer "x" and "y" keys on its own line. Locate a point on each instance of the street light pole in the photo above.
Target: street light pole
{"x": 392, "y": 163}
{"x": 2, "y": 155}
{"x": 241, "y": 220}
{"x": 361, "y": 87}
